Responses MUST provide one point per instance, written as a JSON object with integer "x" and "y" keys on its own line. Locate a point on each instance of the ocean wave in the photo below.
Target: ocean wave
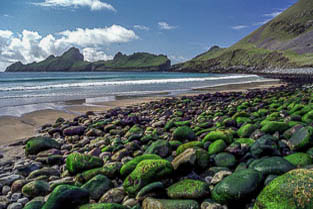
{"x": 119, "y": 83}
{"x": 48, "y": 79}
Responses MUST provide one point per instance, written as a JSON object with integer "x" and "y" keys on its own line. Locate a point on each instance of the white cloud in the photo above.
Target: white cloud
{"x": 274, "y": 14}
{"x": 141, "y": 27}
{"x": 30, "y": 46}
{"x": 97, "y": 36}
{"x": 92, "y": 55}
{"x": 166, "y": 26}
{"x": 5, "y": 34}
{"x": 176, "y": 59}
{"x": 239, "y": 27}
{"x": 270, "y": 16}
{"x": 93, "y": 4}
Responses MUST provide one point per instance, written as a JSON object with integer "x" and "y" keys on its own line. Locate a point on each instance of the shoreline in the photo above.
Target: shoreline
{"x": 14, "y": 129}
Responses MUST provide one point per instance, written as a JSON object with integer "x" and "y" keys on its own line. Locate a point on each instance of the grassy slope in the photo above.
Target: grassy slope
{"x": 261, "y": 48}
{"x": 136, "y": 60}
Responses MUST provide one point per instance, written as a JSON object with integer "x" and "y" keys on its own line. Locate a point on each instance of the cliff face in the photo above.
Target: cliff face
{"x": 284, "y": 42}
{"x": 73, "y": 60}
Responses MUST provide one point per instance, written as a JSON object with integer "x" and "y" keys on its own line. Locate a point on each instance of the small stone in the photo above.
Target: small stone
{"x": 5, "y": 190}
{"x": 15, "y": 197}
{"x": 219, "y": 176}
{"x": 15, "y": 205}
{"x": 23, "y": 200}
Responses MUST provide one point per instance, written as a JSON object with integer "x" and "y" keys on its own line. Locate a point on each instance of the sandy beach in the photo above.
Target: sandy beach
{"x": 13, "y": 129}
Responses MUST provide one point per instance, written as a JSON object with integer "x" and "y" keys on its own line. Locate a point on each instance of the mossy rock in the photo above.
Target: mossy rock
{"x": 136, "y": 132}
{"x": 159, "y": 147}
{"x": 37, "y": 144}
{"x": 240, "y": 114}
{"x": 110, "y": 170}
{"x": 271, "y": 127}
{"x": 97, "y": 186}
{"x": 302, "y": 139}
{"x": 272, "y": 165}
{"x": 217, "y": 147}
{"x": 225, "y": 159}
{"x": 35, "y": 188}
{"x": 128, "y": 167}
{"x": 292, "y": 190}
{"x": 66, "y": 196}
{"x": 308, "y": 117}
{"x": 146, "y": 171}
{"x": 218, "y": 134}
{"x": 237, "y": 188}
{"x": 77, "y": 163}
{"x": 103, "y": 206}
{"x": 189, "y": 189}
{"x": 246, "y": 130}
{"x": 151, "y": 203}
{"x": 184, "y": 133}
{"x": 264, "y": 146}
{"x": 246, "y": 141}
{"x": 242, "y": 120}
{"x": 299, "y": 159}
{"x": 34, "y": 204}
{"x": 188, "y": 145}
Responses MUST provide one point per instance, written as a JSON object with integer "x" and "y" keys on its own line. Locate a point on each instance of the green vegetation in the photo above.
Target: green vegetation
{"x": 284, "y": 42}
{"x": 73, "y": 60}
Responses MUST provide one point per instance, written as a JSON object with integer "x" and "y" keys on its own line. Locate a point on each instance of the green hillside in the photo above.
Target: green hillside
{"x": 73, "y": 60}
{"x": 284, "y": 42}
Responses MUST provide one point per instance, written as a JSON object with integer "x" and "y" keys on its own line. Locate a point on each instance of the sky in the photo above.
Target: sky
{"x": 31, "y": 30}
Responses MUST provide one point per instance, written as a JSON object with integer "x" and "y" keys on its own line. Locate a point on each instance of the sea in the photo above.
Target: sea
{"x": 47, "y": 89}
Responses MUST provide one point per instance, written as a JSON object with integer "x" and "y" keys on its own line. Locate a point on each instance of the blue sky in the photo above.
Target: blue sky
{"x": 30, "y": 30}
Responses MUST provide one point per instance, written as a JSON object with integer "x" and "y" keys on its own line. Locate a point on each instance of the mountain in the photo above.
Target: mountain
{"x": 284, "y": 42}
{"x": 72, "y": 61}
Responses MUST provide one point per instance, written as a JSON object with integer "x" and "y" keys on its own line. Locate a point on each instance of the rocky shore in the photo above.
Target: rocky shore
{"x": 224, "y": 150}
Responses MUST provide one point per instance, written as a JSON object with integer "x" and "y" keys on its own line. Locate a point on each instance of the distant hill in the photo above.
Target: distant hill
{"x": 284, "y": 42}
{"x": 72, "y": 60}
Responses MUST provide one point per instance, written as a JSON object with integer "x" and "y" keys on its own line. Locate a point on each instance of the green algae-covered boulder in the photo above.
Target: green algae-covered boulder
{"x": 66, "y": 196}
{"x": 271, "y": 127}
{"x": 246, "y": 141}
{"x": 238, "y": 187}
{"x": 264, "y": 146}
{"x": 308, "y": 117}
{"x": 225, "y": 159}
{"x": 159, "y": 147}
{"x": 34, "y": 204}
{"x": 272, "y": 165}
{"x": 292, "y": 190}
{"x": 37, "y": 144}
{"x": 35, "y": 188}
{"x": 217, "y": 146}
{"x": 155, "y": 186}
{"x": 128, "y": 167}
{"x": 188, "y": 145}
{"x": 146, "y": 172}
{"x": 110, "y": 170}
{"x": 103, "y": 206}
{"x": 246, "y": 130}
{"x": 184, "y": 133}
{"x": 302, "y": 139}
{"x": 299, "y": 159}
{"x": 151, "y": 203}
{"x": 97, "y": 186}
{"x": 76, "y": 162}
{"x": 136, "y": 132}
{"x": 189, "y": 189}
{"x": 192, "y": 158}
{"x": 218, "y": 134}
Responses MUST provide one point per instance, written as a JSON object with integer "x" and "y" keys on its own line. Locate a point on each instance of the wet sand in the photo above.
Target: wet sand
{"x": 13, "y": 129}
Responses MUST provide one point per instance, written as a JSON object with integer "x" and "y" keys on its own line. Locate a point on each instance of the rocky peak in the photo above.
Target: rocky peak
{"x": 73, "y": 54}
